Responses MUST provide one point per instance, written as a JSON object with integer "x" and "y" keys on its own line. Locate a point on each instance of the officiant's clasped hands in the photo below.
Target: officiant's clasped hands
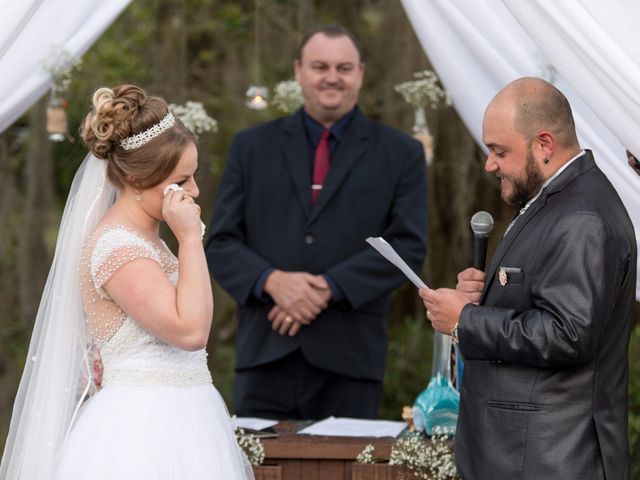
{"x": 299, "y": 298}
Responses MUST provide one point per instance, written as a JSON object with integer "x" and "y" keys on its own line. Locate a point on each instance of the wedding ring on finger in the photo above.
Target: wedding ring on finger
{"x": 288, "y": 319}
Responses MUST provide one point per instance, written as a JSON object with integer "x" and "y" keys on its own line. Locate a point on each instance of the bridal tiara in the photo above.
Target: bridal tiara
{"x": 139, "y": 139}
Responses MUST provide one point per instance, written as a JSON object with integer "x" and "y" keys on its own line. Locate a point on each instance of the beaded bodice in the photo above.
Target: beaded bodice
{"x": 130, "y": 354}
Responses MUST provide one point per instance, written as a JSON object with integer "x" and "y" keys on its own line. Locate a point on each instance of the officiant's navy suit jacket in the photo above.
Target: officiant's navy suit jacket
{"x": 263, "y": 218}
{"x": 544, "y": 390}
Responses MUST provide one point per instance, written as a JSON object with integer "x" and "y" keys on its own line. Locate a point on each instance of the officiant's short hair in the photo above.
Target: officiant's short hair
{"x": 331, "y": 30}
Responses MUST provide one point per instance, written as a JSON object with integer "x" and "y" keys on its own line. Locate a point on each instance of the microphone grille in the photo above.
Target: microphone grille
{"x": 481, "y": 224}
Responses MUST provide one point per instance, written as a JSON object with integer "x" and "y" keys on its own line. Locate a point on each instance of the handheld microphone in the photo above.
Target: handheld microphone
{"x": 481, "y": 224}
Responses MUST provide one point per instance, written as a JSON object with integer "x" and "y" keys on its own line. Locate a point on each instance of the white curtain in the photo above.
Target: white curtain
{"x": 30, "y": 31}
{"x": 477, "y": 46}
{"x": 595, "y": 46}
{"x": 15, "y": 15}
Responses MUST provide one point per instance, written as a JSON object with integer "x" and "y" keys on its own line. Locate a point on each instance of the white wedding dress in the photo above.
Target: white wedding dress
{"x": 157, "y": 416}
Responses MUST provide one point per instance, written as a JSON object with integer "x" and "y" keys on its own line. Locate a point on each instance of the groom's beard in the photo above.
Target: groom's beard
{"x": 527, "y": 186}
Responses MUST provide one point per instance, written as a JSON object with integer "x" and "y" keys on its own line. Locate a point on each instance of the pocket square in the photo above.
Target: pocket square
{"x": 509, "y": 275}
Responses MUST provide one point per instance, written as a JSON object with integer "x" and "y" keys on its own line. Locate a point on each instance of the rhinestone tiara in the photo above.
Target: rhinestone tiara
{"x": 139, "y": 139}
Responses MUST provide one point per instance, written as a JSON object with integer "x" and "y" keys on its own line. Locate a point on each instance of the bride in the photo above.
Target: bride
{"x": 115, "y": 284}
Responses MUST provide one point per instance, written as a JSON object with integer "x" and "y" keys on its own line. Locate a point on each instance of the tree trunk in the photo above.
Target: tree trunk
{"x": 33, "y": 254}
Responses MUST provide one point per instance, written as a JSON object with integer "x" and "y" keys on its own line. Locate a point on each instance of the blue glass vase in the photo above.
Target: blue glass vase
{"x": 435, "y": 409}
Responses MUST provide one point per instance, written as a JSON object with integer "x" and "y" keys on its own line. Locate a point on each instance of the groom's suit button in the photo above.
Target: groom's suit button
{"x": 309, "y": 239}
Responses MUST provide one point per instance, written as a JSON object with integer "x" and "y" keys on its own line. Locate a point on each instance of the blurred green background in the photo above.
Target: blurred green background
{"x": 211, "y": 51}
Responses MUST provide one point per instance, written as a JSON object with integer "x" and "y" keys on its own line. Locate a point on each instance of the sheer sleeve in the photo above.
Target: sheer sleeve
{"x": 105, "y": 255}
{"x": 115, "y": 249}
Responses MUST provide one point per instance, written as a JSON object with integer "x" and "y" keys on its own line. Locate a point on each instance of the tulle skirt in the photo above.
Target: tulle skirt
{"x": 153, "y": 433}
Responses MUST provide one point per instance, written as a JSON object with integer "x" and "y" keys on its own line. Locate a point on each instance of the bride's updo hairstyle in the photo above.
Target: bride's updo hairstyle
{"x": 121, "y": 113}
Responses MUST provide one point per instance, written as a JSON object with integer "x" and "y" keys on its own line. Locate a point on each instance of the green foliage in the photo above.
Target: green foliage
{"x": 408, "y": 364}
{"x": 222, "y": 357}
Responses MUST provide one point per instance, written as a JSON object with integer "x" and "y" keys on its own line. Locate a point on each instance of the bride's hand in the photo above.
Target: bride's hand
{"x": 182, "y": 215}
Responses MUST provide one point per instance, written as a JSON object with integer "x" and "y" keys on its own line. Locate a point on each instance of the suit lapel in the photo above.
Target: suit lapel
{"x": 508, "y": 240}
{"x": 295, "y": 152}
{"x": 349, "y": 152}
{"x": 578, "y": 167}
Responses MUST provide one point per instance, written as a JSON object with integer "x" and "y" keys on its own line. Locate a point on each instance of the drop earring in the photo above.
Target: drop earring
{"x": 138, "y": 196}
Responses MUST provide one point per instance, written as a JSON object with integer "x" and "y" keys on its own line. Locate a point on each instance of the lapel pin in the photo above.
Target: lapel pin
{"x": 502, "y": 276}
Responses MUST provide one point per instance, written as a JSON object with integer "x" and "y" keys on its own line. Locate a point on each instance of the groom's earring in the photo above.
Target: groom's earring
{"x": 546, "y": 160}
{"x": 138, "y": 196}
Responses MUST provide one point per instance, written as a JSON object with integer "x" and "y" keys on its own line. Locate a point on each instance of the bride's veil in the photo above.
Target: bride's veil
{"x": 57, "y": 373}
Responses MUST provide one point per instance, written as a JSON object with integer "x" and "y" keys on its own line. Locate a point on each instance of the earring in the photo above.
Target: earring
{"x": 138, "y": 196}
{"x": 546, "y": 160}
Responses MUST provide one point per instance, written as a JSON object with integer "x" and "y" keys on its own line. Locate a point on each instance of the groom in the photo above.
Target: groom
{"x": 298, "y": 198}
{"x": 545, "y": 335}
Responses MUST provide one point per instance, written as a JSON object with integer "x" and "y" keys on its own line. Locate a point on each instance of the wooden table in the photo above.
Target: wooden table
{"x": 308, "y": 457}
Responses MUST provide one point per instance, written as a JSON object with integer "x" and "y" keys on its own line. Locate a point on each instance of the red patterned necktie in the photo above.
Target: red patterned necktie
{"x": 320, "y": 165}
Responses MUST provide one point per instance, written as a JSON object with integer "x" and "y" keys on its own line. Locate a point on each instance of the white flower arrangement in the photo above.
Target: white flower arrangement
{"x": 287, "y": 96}
{"x": 429, "y": 459}
{"x": 366, "y": 456}
{"x": 424, "y": 91}
{"x": 61, "y": 65}
{"x": 251, "y": 446}
{"x": 194, "y": 117}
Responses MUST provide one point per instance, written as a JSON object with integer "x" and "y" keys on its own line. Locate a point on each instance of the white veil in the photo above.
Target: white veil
{"x": 57, "y": 372}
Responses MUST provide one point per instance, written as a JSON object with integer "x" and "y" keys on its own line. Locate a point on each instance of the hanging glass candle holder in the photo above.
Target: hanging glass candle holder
{"x": 57, "y": 125}
{"x": 256, "y": 97}
{"x": 421, "y": 132}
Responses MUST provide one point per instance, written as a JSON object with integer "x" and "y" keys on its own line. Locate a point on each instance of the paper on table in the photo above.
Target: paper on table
{"x": 387, "y": 251}
{"x": 253, "y": 423}
{"x": 355, "y": 427}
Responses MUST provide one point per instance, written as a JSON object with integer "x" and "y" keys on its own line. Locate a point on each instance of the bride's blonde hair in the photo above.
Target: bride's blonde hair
{"x": 125, "y": 111}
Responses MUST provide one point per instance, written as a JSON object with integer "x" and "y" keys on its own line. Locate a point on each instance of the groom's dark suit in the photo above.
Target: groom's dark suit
{"x": 544, "y": 391}
{"x": 263, "y": 218}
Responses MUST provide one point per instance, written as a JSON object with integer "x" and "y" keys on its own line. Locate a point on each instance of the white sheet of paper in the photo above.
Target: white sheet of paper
{"x": 354, "y": 427}
{"x": 387, "y": 251}
{"x": 253, "y": 423}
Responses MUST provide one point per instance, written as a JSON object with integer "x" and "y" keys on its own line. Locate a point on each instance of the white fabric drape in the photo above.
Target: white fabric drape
{"x": 594, "y": 46}
{"x": 15, "y": 14}
{"x": 477, "y": 47}
{"x": 30, "y": 31}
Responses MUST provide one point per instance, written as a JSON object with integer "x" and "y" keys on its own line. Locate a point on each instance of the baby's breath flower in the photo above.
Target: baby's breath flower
{"x": 427, "y": 458}
{"x": 366, "y": 456}
{"x": 251, "y": 446}
{"x": 424, "y": 91}
{"x": 287, "y": 96}
{"x": 61, "y": 65}
{"x": 194, "y": 117}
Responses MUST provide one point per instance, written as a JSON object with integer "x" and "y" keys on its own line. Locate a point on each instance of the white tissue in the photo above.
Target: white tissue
{"x": 173, "y": 187}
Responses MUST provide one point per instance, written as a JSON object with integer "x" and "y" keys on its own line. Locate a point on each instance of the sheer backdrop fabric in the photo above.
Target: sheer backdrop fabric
{"x": 31, "y": 31}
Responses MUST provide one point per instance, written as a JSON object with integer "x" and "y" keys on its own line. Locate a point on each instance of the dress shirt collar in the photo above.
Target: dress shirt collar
{"x": 315, "y": 129}
{"x": 551, "y": 179}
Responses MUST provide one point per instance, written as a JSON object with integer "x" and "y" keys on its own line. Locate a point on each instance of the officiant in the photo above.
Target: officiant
{"x": 298, "y": 197}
